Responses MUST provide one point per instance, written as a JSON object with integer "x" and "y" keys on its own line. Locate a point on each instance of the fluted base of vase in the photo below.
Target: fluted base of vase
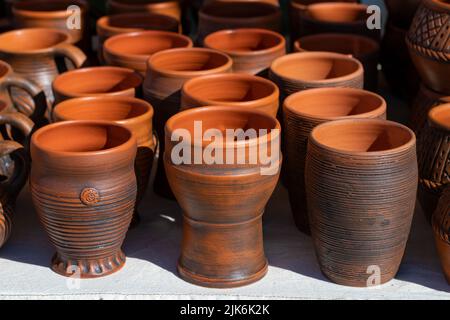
{"x": 88, "y": 268}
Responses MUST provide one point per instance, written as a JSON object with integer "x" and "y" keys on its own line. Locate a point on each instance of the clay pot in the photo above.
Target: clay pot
{"x": 365, "y": 49}
{"x": 434, "y": 158}
{"x": 222, "y": 242}
{"x": 54, "y": 14}
{"x": 132, "y": 50}
{"x": 252, "y": 50}
{"x": 219, "y": 15}
{"x": 401, "y": 13}
{"x": 302, "y": 112}
{"x": 109, "y": 26}
{"x": 441, "y": 227}
{"x": 240, "y": 90}
{"x": 32, "y": 52}
{"x": 428, "y": 40}
{"x": 361, "y": 183}
{"x": 166, "y": 7}
{"x": 167, "y": 71}
{"x": 84, "y": 191}
{"x": 97, "y": 81}
{"x": 132, "y": 113}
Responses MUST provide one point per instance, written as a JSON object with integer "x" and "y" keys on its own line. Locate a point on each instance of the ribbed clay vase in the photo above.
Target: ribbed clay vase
{"x": 132, "y": 50}
{"x": 434, "y": 158}
{"x": 222, "y": 242}
{"x": 365, "y": 49}
{"x": 84, "y": 192}
{"x": 219, "y": 15}
{"x": 252, "y": 50}
{"x": 302, "y": 112}
{"x": 132, "y": 113}
{"x": 428, "y": 41}
{"x": 170, "y": 8}
{"x": 239, "y": 90}
{"x": 167, "y": 71}
{"x": 361, "y": 183}
{"x": 441, "y": 228}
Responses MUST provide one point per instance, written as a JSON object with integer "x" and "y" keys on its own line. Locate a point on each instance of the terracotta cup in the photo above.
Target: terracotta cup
{"x": 252, "y": 50}
{"x": 132, "y": 50}
{"x": 219, "y": 15}
{"x": 441, "y": 227}
{"x": 361, "y": 183}
{"x": 302, "y": 112}
{"x": 132, "y": 113}
{"x": 240, "y": 90}
{"x": 97, "y": 81}
{"x": 365, "y": 49}
{"x": 428, "y": 40}
{"x": 84, "y": 191}
{"x": 167, "y": 71}
{"x": 222, "y": 242}
{"x": 170, "y": 8}
{"x": 434, "y": 158}
{"x": 32, "y": 53}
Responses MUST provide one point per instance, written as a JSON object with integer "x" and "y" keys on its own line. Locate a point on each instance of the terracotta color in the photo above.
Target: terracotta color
{"x": 32, "y": 52}
{"x": 97, "y": 81}
{"x": 167, "y": 71}
{"x": 84, "y": 191}
{"x": 252, "y": 50}
{"x": 132, "y": 50}
{"x": 365, "y": 49}
{"x": 441, "y": 227}
{"x": 302, "y": 112}
{"x": 239, "y": 90}
{"x": 132, "y": 113}
{"x": 222, "y": 238}
{"x": 434, "y": 158}
{"x": 401, "y": 13}
{"x": 361, "y": 183}
{"x": 428, "y": 40}
{"x": 218, "y": 15}
{"x": 167, "y": 7}
{"x": 272, "y": 2}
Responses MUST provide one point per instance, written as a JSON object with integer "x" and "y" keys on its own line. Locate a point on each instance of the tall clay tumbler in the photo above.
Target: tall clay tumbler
{"x": 84, "y": 190}
{"x": 361, "y": 183}
{"x": 223, "y": 201}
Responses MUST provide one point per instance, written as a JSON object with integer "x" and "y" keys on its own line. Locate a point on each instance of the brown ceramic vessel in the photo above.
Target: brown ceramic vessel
{"x": 170, "y": 8}
{"x": 441, "y": 227}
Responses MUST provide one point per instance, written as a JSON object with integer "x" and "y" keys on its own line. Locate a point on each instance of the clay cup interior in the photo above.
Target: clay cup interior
{"x": 32, "y": 40}
{"x": 440, "y": 117}
{"x": 345, "y": 13}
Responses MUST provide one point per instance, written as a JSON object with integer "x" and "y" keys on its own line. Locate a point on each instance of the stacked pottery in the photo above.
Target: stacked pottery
{"x": 365, "y": 49}
{"x": 167, "y": 71}
{"x": 239, "y": 90}
{"x": 132, "y": 113}
{"x": 361, "y": 182}
{"x": 434, "y": 158}
{"x": 222, "y": 242}
{"x": 132, "y": 50}
{"x": 305, "y": 110}
{"x": 252, "y": 50}
{"x": 166, "y": 7}
{"x": 441, "y": 227}
{"x": 84, "y": 191}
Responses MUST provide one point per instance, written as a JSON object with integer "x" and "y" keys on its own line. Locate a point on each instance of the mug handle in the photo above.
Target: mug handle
{"x": 75, "y": 55}
{"x": 19, "y": 122}
{"x": 20, "y": 175}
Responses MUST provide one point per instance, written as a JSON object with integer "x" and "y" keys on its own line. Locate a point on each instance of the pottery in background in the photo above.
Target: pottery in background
{"x": 441, "y": 227}
{"x": 170, "y": 8}
{"x": 361, "y": 183}
{"x": 84, "y": 192}
{"x": 222, "y": 242}
{"x": 239, "y": 90}
{"x": 302, "y": 112}
{"x": 132, "y": 50}
{"x": 252, "y": 50}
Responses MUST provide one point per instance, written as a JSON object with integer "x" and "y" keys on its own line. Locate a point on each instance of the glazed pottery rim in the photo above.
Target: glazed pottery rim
{"x": 359, "y": 70}
{"x": 203, "y": 14}
{"x": 230, "y": 77}
{"x": 148, "y": 114}
{"x": 433, "y": 113}
{"x": 386, "y": 152}
{"x": 279, "y": 46}
{"x": 34, "y": 51}
{"x": 8, "y": 69}
{"x": 42, "y": 14}
{"x": 336, "y": 4}
{"x": 103, "y": 22}
{"x": 347, "y": 92}
{"x": 61, "y": 77}
{"x": 189, "y": 73}
{"x": 142, "y": 33}
{"x": 129, "y": 143}
{"x": 168, "y": 128}
{"x": 154, "y": 4}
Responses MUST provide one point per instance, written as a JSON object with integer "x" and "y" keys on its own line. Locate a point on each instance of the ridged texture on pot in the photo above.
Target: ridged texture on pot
{"x": 166, "y": 7}
{"x": 441, "y": 228}
{"x": 360, "y": 210}
{"x": 6, "y": 213}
